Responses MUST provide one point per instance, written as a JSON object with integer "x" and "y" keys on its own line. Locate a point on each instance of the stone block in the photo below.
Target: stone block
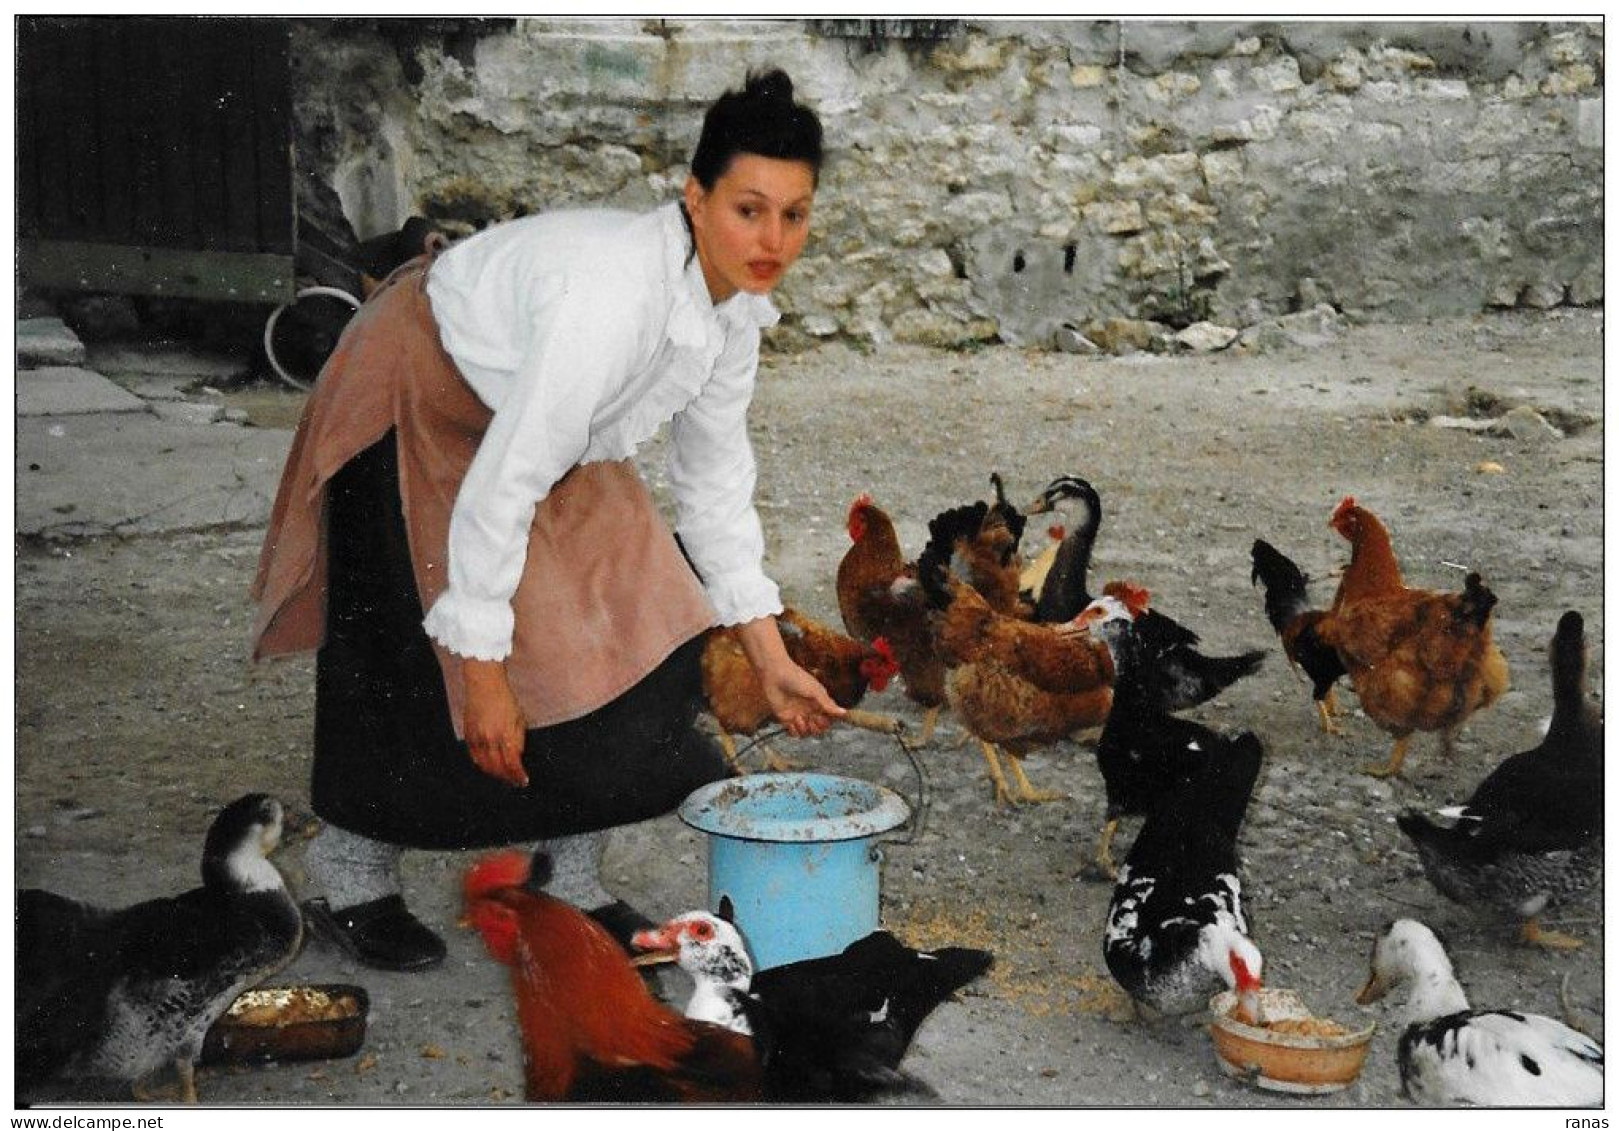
{"x": 1444, "y": 90}
{"x": 1308, "y": 329}
{"x": 1525, "y": 424}
{"x": 1206, "y": 337}
{"x": 1542, "y": 295}
{"x": 1116, "y": 217}
{"x": 68, "y": 391}
{"x": 1222, "y": 167}
{"x": 1588, "y": 123}
{"x": 1088, "y": 75}
{"x": 1127, "y": 335}
{"x": 1278, "y": 77}
{"x": 1586, "y": 289}
{"x": 1068, "y": 339}
{"x": 47, "y": 341}
{"x": 1174, "y": 85}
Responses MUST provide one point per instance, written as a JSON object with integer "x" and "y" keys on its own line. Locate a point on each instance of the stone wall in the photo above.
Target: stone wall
{"x": 1003, "y": 178}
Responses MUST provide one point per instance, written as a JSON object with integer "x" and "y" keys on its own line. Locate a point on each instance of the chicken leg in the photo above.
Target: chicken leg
{"x": 1104, "y": 850}
{"x": 1534, "y": 935}
{"x": 1327, "y": 706}
{"x": 930, "y": 719}
{"x": 187, "y": 1068}
{"x": 1396, "y": 760}
{"x": 1026, "y": 790}
{"x": 771, "y": 761}
{"x": 1003, "y": 795}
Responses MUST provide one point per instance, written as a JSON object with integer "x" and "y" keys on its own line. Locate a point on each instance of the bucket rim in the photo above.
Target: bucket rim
{"x": 704, "y": 810}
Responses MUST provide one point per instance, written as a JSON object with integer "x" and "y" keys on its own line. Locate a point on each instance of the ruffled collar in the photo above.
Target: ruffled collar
{"x": 694, "y": 311}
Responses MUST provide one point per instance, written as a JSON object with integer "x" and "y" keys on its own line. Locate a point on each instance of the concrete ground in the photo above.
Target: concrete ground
{"x": 144, "y": 478}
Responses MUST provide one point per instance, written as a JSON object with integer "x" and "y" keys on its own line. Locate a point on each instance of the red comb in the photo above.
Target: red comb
{"x": 502, "y": 870}
{"x": 1135, "y": 597}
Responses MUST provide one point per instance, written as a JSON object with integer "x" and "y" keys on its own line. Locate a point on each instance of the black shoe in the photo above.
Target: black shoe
{"x": 381, "y": 933}
{"x": 621, "y": 921}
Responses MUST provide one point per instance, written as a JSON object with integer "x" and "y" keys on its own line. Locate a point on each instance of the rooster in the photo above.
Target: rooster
{"x": 828, "y": 1029}
{"x": 872, "y": 607}
{"x": 1178, "y": 676}
{"x": 591, "y": 1030}
{"x": 846, "y": 667}
{"x": 1418, "y": 659}
{"x": 1287, "y": 607}
{"x": 1015, "y": 685}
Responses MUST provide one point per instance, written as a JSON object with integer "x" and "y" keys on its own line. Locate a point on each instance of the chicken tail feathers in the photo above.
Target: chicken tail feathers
{"x": 1194, "y": 678}
{"x": 933, "y": 574}
{"x": 1287, "y": 590}
{"x": 1476, "y": 602}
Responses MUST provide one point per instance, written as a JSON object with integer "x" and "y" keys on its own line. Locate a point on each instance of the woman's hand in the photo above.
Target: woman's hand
{"x": 492, "y": 722}
{"x": 797, "y": 698}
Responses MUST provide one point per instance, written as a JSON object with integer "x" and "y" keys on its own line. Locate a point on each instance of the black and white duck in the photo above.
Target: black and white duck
{"x": 122, "y": 994}
{"x": 827, "y": 1029}
{"x": 1531, "y": 833}
{"x": 1176, "y": 929}
{"x": 1451, "y": 1053}
{"x": 1177, "y": 675}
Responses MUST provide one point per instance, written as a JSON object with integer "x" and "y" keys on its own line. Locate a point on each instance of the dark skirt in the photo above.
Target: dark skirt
{"x": 388, "y": 764}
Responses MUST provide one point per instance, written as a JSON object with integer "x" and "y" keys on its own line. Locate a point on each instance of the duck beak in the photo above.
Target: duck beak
{"x": 1374, "y": 990}
{"x": 659, "y": 944}
{"x": 1039, "y": 506}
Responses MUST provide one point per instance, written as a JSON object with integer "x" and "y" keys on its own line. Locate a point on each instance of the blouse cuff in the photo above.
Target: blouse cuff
{"x": 741, "y": 597}
{"x": 471, "y": 628}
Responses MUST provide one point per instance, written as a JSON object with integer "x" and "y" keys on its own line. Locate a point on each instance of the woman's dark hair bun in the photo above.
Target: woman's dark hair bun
{"x": 773, "y": 83}
{"x": 762, "y": 118}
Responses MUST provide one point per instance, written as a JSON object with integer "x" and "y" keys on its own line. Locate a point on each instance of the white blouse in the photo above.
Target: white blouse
{"x": 584, "y": 331}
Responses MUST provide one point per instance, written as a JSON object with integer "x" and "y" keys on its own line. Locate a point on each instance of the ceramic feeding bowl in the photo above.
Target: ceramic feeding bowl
{"x": 289, "y": 1023}
{"x": 1294, "y": 1051}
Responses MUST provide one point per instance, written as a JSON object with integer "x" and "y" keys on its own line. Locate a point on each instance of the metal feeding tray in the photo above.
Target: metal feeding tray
{"x": 271, "y": 1023}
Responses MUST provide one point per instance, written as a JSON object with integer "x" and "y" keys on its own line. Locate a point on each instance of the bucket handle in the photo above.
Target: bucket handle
{"x": 896, "y": 728}
{"x": 883, "y": 724}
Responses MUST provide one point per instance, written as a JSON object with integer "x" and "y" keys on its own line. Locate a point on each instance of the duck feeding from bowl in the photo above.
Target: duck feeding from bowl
{"x": 1291, "y": 1049}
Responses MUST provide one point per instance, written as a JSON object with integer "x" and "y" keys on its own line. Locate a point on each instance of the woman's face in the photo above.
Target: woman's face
{"x": 752, "y": 224}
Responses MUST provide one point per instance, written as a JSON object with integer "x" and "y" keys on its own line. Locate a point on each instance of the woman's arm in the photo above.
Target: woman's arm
{"x": 797, "y": 698}
{"x": 578, "y": 348}
{"x": 492, "y": 721}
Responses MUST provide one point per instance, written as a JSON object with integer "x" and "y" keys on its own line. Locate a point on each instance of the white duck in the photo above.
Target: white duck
{"x": 1453, "y": 1054}
{"x": 711, "y": 950}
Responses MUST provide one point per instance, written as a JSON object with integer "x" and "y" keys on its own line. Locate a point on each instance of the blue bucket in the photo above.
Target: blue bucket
{"x": 797, "y": 855}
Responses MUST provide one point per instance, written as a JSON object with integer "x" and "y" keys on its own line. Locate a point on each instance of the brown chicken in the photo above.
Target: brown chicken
{"x": 1418, "y": 659}
{"x": 984, "y": 551}
{"x": 845, "y": 667}
{"x": 592, "y": 1032}
{"x": 871, "y": 607}
{"x": 1015, "y": 685}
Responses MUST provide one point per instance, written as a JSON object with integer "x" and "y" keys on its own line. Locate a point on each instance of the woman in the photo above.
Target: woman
{"x": 469, "y": 444}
